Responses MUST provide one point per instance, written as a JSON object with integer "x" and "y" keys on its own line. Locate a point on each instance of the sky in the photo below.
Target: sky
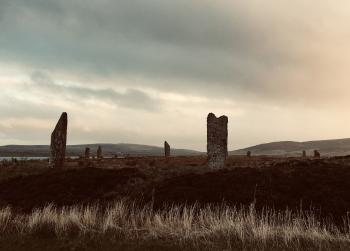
{"x": 137, "y": 71}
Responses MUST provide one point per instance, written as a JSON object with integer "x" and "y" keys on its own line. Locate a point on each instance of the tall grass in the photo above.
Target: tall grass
{"x": 215, "y": 227}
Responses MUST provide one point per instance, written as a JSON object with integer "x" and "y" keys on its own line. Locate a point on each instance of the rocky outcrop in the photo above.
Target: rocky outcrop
{"x": 58, "y": 142}
{"x": 216, "y": 140}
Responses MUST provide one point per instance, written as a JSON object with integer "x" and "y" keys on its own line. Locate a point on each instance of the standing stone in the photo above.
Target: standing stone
{"x": 304, "y": 154}
{"x": 249, "y": 154}
{"x": 317, "y": 154}
{"x": 58, "y": 142}
{"x": 99, "y": 152}
{"x": 216, "y": 140}
{"x": 87, "y": 153}
{"x": 166, "y": 149}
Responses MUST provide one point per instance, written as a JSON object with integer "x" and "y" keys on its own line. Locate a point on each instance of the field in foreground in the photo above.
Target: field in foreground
{"x": 298, "y": 204}
{"x": 126, "y": 226}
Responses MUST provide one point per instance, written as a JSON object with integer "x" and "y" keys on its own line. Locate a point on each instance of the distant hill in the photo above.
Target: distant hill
{"x": 76, "y": 150}
{"x": 335, "y": 147}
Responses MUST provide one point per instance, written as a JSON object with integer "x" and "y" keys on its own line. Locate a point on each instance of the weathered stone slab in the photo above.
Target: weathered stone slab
{"x": 87, "y": 153}
{"x": 58, "y": 142}
{"x": 99, "y": 152}
{"x": 166, "y": 149}
{"x": 317, "y": 154}
{"x": 304, "y": 154}
{"x": 216, "y": 140}
{"x": 249, "y": 154}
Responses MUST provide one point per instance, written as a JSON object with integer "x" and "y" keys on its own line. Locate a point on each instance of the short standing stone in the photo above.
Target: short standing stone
{"x": 317, "y": 154}
{"x": 216, "y": 140}
{"x": 99, "y": 152}
{"x": 87, "y": 153}
{"x": 249, "y": 154}
{"x": 58, "y": 142}
{"x": 166, "y": 149}
{"x": 304, "y": 154}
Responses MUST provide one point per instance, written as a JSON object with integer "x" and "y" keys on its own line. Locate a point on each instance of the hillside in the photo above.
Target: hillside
{"x": 334, "y": 147}
{"x": 76, "y": 150}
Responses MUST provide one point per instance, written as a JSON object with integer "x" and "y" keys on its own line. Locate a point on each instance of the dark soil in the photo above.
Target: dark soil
{"x": 113, "y": 243}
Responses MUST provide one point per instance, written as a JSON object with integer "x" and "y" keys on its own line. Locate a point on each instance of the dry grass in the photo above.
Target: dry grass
{"x": 212, "y": 228}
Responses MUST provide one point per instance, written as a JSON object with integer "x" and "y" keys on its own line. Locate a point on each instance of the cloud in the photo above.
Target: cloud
{"x": 131, "y": 98}
{"x": 18, "y": 108}
{"x": 271, "y": 51}
{"x": 278, "y": 69}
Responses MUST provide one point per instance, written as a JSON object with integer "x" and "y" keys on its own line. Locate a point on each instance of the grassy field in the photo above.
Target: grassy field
{"x": 151, "y": 203}
{"x": 126, "y": 226}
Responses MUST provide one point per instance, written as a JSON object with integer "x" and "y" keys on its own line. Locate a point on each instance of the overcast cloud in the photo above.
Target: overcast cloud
{"x": 152, "y": 70}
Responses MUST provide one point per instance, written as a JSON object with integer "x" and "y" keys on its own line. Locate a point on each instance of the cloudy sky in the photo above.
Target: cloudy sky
{"x": 140, "y": 71}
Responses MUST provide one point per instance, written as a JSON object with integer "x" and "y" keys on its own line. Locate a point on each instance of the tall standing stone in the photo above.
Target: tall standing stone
{"x": 216, "y": 140}
{"x": 249, "y": 154}
{"x": 58, "y": 142}
{"x": 166, "y": 149}
{"x": 87, "y": 153}
{"x": 99, "y": 152}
